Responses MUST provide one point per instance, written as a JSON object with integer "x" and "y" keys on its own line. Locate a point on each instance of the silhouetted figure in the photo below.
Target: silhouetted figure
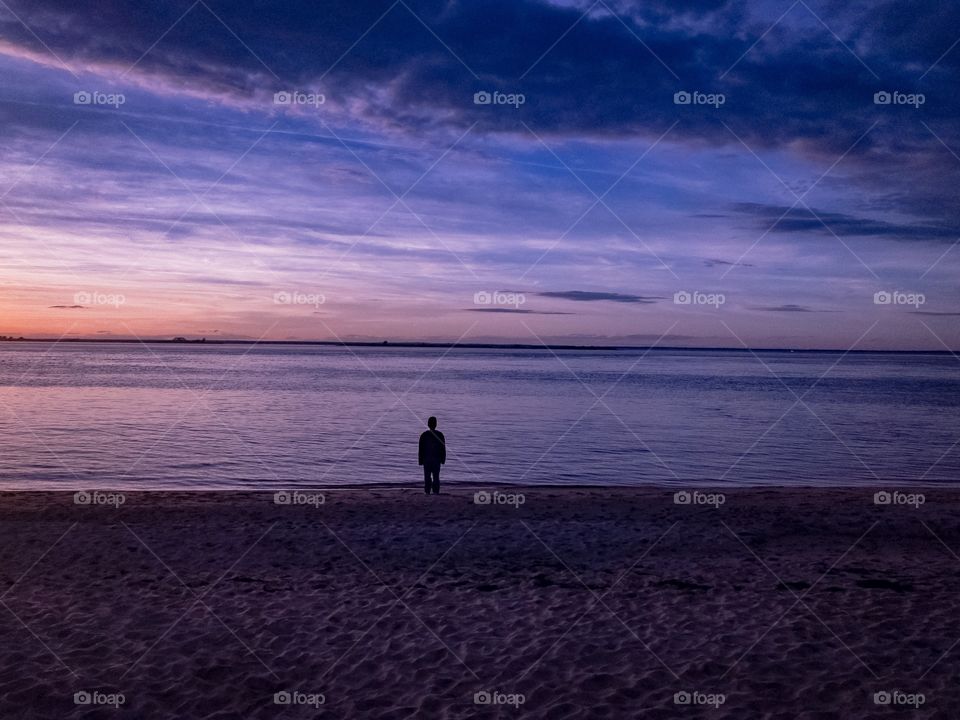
{"x": 433, "y": 454}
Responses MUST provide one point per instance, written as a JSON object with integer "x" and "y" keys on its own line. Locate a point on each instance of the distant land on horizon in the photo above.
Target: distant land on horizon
{"x": 472, "y": 346}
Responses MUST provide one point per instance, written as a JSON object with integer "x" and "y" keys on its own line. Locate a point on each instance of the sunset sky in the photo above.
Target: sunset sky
{"x": 153, "y": 183}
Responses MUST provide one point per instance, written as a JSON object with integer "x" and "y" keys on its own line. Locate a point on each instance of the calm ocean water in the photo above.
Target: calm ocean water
{"x": 167, "y": 416}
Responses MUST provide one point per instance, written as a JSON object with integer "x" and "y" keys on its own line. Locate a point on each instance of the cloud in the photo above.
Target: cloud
{"x": 803, "y": 220}
{"x": 515, "y": 311}
{"x": 588, "y": 296}
{"x": 68, "y": 307}
{"x": 415, "y": 68}
{"x": 418, "y": 64}
{"x": 712, "y": 262}
{"x": 791, "y": 308}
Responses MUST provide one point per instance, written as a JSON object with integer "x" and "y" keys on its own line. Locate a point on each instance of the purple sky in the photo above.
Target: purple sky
{"x": 152, "y": 185}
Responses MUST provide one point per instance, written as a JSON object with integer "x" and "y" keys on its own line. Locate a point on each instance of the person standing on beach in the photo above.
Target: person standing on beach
{"x": 433, "y": 454}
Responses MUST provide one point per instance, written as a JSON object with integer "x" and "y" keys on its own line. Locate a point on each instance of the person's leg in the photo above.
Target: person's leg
{"x": 436, "y": 481}
{"x": 426, "y": 479}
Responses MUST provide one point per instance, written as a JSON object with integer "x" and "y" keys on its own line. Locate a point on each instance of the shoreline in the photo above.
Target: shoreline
{"x": 455, "y": 488}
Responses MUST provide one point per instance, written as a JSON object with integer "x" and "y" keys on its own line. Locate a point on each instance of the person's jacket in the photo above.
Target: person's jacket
{"x": 433, "y": 449}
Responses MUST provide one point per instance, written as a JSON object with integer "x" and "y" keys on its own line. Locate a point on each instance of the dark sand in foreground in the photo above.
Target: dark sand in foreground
{"x": 589, "y": 603}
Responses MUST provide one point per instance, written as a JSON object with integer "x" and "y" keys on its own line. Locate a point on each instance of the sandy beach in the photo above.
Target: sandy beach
{"x": 541, "y": 602}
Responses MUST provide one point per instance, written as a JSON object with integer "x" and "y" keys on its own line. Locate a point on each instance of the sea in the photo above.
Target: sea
{"x": 221, "y": 416}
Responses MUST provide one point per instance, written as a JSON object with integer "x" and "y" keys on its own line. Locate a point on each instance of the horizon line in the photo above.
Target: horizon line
{"x": 448, "y": 344}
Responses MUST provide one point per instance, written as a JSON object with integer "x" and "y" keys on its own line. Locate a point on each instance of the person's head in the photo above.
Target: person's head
{"x": 432, "y": 423}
